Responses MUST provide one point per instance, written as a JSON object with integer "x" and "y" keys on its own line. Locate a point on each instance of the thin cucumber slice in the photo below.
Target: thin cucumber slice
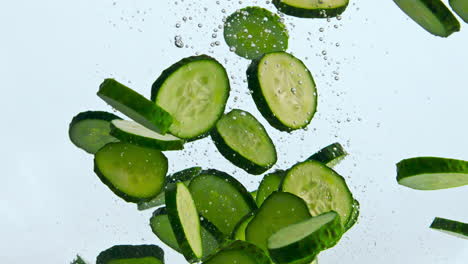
{"x": 306, "y": 238}
{"x": 279, "y": 210}
{"x": 185, "y": 221}
{"x": 431, "y": 173}
{"x": 134, "y": 173}
{"x": 242, "y": 140}
{"x": 135, "y": 106}
{"x": 132, "y": 132}
{"x": 129, "y": 254}
{"x": 283, "y": 90}
{"x": 78, "y": 260}
{"x": 312, "y": 8}
{"x": 90, "y": 130}
{"x": 269, "y": 184}
{"x": 221, "y": 199}
{"x": 432, "y": 15}
{"x": 238, "y": 252}
{"x": 252, "y": 31}
{"x": 352, "y": 220}
{"x": 239, "y": 230}
{"x": 330, "y": 155}
{"x": 451, "y": 227}
{"x": 194, "y": 91}
{"x": 321, "y": 188}
{"x": 461, "y": 8}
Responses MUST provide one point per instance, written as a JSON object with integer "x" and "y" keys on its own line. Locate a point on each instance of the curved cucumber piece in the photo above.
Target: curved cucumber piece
{"x": 129, "y": 254}
{"x": 135, "y": 106}
{"x": 432, "y": 15}
{"x": 194, "y": 91}
{"x": 283, "y": 90}
{"x": 431, "y": 173}
{"x": 306, "y": 238}
{"x": 461, "y": 8}
{"x": 252, "y": 31}
{"x": 451, "y": 227}
{"x": 312, "y": 8}
{"x": 279, "y": 210}
{"x": 239, "y": 230}
{"x": 242, "y": 140}
{"x": 330, "y": 155}
{"x": 134, "y": 173}
{"x": 90, "y": 130}
{"x": 269, "y": 184}
{"x": 78, "y": 260}
{"x": 239, "y": 252}
{"x": 353, "y": 218}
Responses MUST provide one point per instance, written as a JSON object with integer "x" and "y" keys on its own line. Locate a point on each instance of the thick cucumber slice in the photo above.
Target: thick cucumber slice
{"x": 432, "y": 15}
{"x": 134, "y": 173}
{"x": 269, "y": 184}
{"x": 90, "y": 130}
{"x": 451, "y": 227}
{"x": 221, "y": 199}
{"x": 306, "y": 238}
{"x": 252, "y": 31}
{"x": 430, "y": 173}
{"x": 330, "y": 155}
{"x": 461, "y": 8}
{"x": 279, "y": 210}
{"x": 243, "y": 140}
{"x": 283, "y": 90}
{"x": 194, "y": 91}
{"x": 184, "y": 220}
{"x": 128, "y": 254}
{"x": 321, "y": 188}
{"x": 135, "y": 106}
{"x": 312, "y": 8}
{"x": 78, "y": 260}
{"x": 239, "y": 252}
{"x": 239, "y": 230}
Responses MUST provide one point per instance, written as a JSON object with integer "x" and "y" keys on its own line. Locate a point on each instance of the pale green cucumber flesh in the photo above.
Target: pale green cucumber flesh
{"x": 312, "y": 8}
{"x": 461, "y": 8}
{"x": 269, "y": 184}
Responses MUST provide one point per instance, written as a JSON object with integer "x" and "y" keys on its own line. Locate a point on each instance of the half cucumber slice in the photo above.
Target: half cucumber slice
{"x": 461, "y": 8}
{"x": 129, "y": 254}
{"x": 451, "y": 227}
{"x": 239, "y": 252}
{"x": 330, "y": 155}
{"x": 312, "y": 8}
{"x": 269, "y": 184}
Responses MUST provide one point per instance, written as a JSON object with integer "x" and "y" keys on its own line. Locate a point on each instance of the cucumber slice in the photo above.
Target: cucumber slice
{"x": 269, "y": 184}
{"x": 312, "y": 8}
{"x": 451, "y": 227}
{"x": 431, "y": 173}
{"x": 252, "y": 31}
{"x": 330, "y": 155}
{"x": 432, "y": 15}
{"x": 135, "y": 106}
{"x": 321, "y": 188}
{"x": 129, "y": 254}
{"x": 194, "y": 91}
{"x": 221, "y": 199}
{"x": 78, "y": 260}
{"x": 283, "y": 90}
{"x": 134, "y": 173}
{"x": 242, "y": 140}
{"x": 304, "y": 239}
{"x": 132, "y": 132}
{"x": 90, "y": 130}
{"x": 239, "y": 252}
{"x": 279, "y": 210}
{"x": 184, "y": 220}
{"x": 352, "y": 220}
{"x": 239, "y": 230}
{"x": 254, "y": 194}
{"x": 461, "y": 8}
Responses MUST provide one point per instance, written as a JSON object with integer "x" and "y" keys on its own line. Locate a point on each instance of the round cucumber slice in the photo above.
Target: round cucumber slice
{"x": 194, "y": 91}
{"x": 134, "y": 173}
{"x": 239, "y": 252}
{"x": 352, "y": 220}
{"x": 461, "y": 8}
{"x": 241, "y": 139}
{"x": 450, "y": 227}
{"x": 252, "y": 31}
{"x": 330, "y": 155}
{"x": 431, "y": 173}
{"x": 129, "y": 254}
{"x": 239, "y": 230}
{"x": 269, "y": 184}
{"x": 312, "y": 8}
{"x": 283, "y": 90}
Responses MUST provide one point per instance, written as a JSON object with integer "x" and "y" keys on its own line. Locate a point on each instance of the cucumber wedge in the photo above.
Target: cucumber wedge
{"x": 78, "y": 260}
{"x": 432, "y": 15}
{"x": 269, "y": 184}
{"x": 194, "y": 91}
{"x": 129, "y": 254}
{"x": 283, "y": 90}
{"x": 252, "y": 31}
{"x": 135, "y": 106}
{"x": 461, "y": 8}
{"x": 451, "y": 227}
{"x": 241, "y": 139}
{"x": 306, "y": 238}
{"x": 134, "y": 173}
{"x": 312, "y": 8}
{"x": 431, "y": 173}
{"x": 330, "y": 155}
{"x": 90, "y": 130}
{"x": 238, "y": 252}
{"x": 239, "y": 230}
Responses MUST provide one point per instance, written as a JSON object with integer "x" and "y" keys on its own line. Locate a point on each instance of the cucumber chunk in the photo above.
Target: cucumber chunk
{"x": 431, "y": 173}
{"x": 461, "y": 8}
{"x": 330, "y": 155}
{"x": 78, "y": 260}
{"x": 239, "y": 230}
{"x": 450, "y": 227}
{"x": 129, "y": 254}
{"x": 269, "y": 184}
{"x": 312, "y": 8}
{"x": 134, "y": 173}
{"x": 239, "y": 252}
{"x": 252, "y": 31}
{"x": 242, "y": 140}
{"x": 283, "y": 90}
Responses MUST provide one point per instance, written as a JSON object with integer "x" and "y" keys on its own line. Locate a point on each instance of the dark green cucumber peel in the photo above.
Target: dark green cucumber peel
{"x": 151, "y": 253}
{"x": 460, "y": 7}
{"x": 240, "y": 252}
{"x": 312, "y": 8}
{"x": 451, "y": 227}
{"x": 269, "y": 184}
{"x": 78, "y": 260}
{"x": 330, "y": 155}
{"x": 239, "y": 231}
{"x": 354, "y": 217}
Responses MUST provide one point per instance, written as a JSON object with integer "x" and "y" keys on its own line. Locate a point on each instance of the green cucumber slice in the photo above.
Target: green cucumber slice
{"x": 194, "y": 91}
{"x": 238, "y": 252}
{"x": 78, "y": 260}
{"x": 352, "y": 220}
{"x": 242, "y": 140}
{"x": 129, "y": 254}
{"x": 321, "y": 188}
{"x": 279, "y": 210}
{"x": 283, "y": 90}
{"x": 90, "y": 130}
{"x": 252, "y": 31}
{"x": 254, "y": 194}
{"x": 330, "y": 155}
{"x": 431, "y": 173}
{"x": 239, "y": 230}
{"x": 312, "y": 8}
{"x": 135, "y": 106}
{"x": 269, "y": 184}
{"x": 450, "y": 227}
{"x": 306, "y": 238}
{"x": 134, "y": 173}
{"x": 461, "y": 8}
{"x": 432, "y": 15}
{"x": 184, "y": 220}
{"x": 221, "y": 199}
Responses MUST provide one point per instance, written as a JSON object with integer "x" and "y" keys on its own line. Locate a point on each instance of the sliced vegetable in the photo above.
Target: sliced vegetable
{"x": 239, "y": 252}
{"x": 451, "y": 227}
{"x": 330, "y": 155}
{"x": 129, "y": 254}
{"x": 312, "y": 8}
{"x": 239, "y": 230}
{"x": 78, "y": 260}
{"x": 269, "y": 184}
{"x": 254, "y": 194}
{"x": 461, "y": 8}
{"x": 352, "y": 220}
